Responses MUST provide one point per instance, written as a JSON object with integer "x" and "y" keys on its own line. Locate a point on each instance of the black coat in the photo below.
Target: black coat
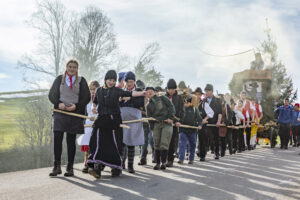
{"x": 107, "y": 100}
{"x": 216, "y": 106}
{"x": 134, "y": 102}
{"x": 84, "y": 95}
{"x": 178, "y": 103}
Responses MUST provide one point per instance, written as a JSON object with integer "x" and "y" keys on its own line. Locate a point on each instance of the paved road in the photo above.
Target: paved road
{"x": 261, "y": 174}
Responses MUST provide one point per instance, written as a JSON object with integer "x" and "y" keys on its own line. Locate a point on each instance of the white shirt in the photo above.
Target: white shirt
{"x": 68, "y": 81}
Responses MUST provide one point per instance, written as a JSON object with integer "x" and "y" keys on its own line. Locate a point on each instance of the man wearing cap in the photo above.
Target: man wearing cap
{"x": 178, "y": 103}
{"x": 131, "y": 110}
{"x": 160, "y": 108}
{"x": 213, "y": 131}
{"x": 206, "y": 112}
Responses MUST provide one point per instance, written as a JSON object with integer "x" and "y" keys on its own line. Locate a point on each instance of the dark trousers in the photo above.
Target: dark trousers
{"x": 148, "y": 140}
{"x": 240, "y": 139}
{"x": 71, "y": 145}
{"x": 296, "y": 134}
{"x": 248, "y": 136}
{"x": 173, "y": 145}
{"x": 213, "y": 133}
{"x": 284, "y": 134}
{"x": 235, "y": 134}
{"x": 227, "y": 140}
{"x": 202, "y": 142}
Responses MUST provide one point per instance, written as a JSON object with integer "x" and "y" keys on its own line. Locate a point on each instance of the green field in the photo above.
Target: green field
{"x": 10, "y": 109}
{"x": 9, "y": 131}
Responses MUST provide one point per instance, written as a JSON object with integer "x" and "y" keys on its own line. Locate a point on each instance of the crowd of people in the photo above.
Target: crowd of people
{"x": 179, "y": 123}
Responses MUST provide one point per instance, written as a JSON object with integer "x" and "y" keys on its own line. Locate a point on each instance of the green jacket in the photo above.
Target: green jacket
{"x": 192, "y": 117}
{"x": 160, "y": 108}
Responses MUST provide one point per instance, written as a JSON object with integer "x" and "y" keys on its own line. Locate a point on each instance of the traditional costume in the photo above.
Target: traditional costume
{"x": 106, "y": 143}
{"x": 131, "y": 110}
{"x": 67, "y": 89}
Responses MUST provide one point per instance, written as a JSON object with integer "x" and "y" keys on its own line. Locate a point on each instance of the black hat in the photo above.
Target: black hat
{"x": 209, "y": 87}
{"x": 171, "y": 84}
{"x": 149, "y": 88}
{"x": 140, "y": 84}
{"x": 129, "y": 76}
{"x": 198, "y": 90}
{"x": 158, "y": 89}
{"x": 111, "y": 74}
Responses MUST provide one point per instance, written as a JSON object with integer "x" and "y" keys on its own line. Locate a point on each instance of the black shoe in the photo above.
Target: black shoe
{"x": 95, "y": 172}
{"x": 217, "y": 157}
{"x": 298, "y": 144}
{"x": 202, "y": 159}
{"x": 115, "y": 172}
{"x": 234, "y": 151}
{"x": 143, "y": 161}
{"x": 69, "y": 171}
{"x": 123, "y": 165}
{"x": 281, "y": 147}
{"x": 157, "y": 166}
{"x": 190, "y": 162}
{"x": 163, "y": 166}
{"x": 85, "y": 169}
{"x": 198, "y": 154}
{"x": 130, "y": 168}
{"x": 180, "y": 162}
{"x": 286, "y": 147}
{"x": 56, "y": 169}
{"x": 294, "y": 145}
{"x": 153, "y": 161}
{"x": 222, "y": 154}
{"x": 240, "y": 151}
{"x": 169, "y": 164}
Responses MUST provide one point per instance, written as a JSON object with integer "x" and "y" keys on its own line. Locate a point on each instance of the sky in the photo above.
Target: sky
{"x": 182, "y": 28}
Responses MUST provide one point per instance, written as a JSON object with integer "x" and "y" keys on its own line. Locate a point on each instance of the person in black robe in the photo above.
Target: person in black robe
{"x": 106, "y": 143}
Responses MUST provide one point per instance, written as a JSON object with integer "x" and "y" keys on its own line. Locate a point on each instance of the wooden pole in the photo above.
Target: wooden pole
{"x": 121, "y": 125}
{"x": 73, "y": 114}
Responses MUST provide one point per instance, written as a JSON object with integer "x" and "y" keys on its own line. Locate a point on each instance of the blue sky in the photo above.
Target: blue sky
{"x": 182, "y": 28}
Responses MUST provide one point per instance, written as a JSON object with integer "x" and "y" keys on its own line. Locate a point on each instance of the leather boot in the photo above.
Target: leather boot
{"x": 56, "y": 169}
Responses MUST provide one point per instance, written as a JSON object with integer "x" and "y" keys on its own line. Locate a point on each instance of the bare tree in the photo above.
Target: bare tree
{"x": 92, "y": 42}
{"x": 144, "y": 69}
{"x": 35, "y": 125}
{"x": 51, "y": 21}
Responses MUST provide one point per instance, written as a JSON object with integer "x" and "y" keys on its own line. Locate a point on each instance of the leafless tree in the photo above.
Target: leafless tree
{"x": 51, "y": 22}
{"x": 92, "y": 42}
{"x": 35, "y": 125}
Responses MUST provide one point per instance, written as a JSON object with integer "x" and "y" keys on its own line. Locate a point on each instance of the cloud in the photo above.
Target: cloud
{"x": 3, "y": 76}
{"x": 182, "y": 28}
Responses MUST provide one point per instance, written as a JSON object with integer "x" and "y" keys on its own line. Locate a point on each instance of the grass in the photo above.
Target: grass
{"x": 10, "y": 109}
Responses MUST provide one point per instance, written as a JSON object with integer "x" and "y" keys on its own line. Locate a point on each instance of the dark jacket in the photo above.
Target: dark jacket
{"x": 285, "y": 114}
{"x": 216, "y": 106}
{"x": 84, "y": 95}
{"x": 192, "y": 117}
{"x": 178, "y": 103}
{"x": 160, "y": 108}
{"x": 227, "y": 117}
{"x": 201, "y": 109}
{"x": 134, "y": 102}
{"x": 107, "y": 100}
